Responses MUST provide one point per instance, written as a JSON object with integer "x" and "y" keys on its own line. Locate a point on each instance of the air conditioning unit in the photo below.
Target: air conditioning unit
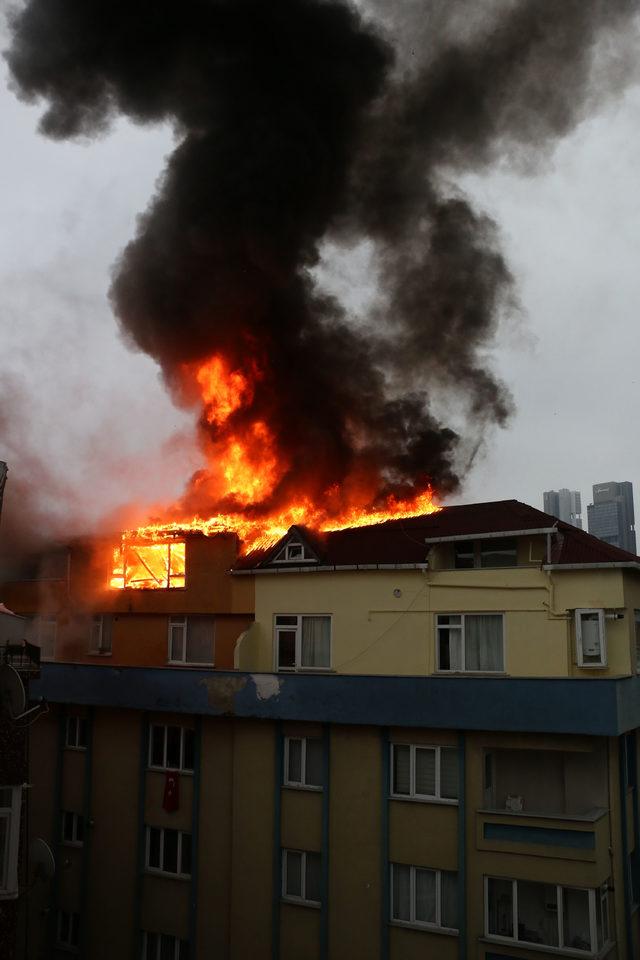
{"x": 514, "y": 804}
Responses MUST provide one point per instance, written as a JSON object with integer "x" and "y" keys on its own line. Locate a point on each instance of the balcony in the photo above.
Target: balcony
{"x": 23, "y": 657}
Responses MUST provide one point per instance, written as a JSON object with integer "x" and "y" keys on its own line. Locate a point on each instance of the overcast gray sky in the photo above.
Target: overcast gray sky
{"x": 75, "y": 398}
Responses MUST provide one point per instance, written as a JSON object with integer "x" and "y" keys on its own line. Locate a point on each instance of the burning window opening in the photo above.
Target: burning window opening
{"x": 149, "y": 566}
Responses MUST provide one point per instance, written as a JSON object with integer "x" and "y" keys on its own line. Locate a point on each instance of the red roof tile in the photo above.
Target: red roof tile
{"x": 403, "y": 541}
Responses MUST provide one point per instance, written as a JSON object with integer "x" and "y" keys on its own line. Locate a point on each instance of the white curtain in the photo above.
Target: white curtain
{"x": 316, "y": 641}
{"x": 199, "y": 640}
{"x": 483, "y": 642}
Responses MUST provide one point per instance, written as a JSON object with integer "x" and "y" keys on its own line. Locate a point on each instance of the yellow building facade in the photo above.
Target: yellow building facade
{"x": 421, "y": 742}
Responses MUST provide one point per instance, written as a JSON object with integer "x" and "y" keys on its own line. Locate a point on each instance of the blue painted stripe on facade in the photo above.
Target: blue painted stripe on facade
{"x": 276, "y": 892}
{"x": 462, "y": 849}
{"x": 600, "y": 707}
{"x": 56, "y": 827}
{"x": 385, "y": 891}
{"x": 624, "y": 829}
{"x": 195, "y": 837}
{"x": 548, "y": 836}
{"x": 326, "y": 787}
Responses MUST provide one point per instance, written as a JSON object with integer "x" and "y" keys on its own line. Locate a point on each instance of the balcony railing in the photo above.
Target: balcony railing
{"x": 23, "y": 657}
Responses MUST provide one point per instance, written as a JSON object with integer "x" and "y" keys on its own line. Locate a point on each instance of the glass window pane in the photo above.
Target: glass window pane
{"x": 151, "y": 944}
{"x": 576, "y": 930}
{"x": 167, "y": 947}
{"x": 425, "y": 771}
{"x": 293, "y": 886}
{"x": 186, "y": 854}
{"x": 157, "y": 746}
{"x": 450, "y": 648}
{"x": 294, "y": 769}
{"x": 200, "y": 640}
{"x": 316, "y": 641}
{"x": 177, "y": 632}
{"x": 79, "y": 828}
{"x": 537, "y": 913}
{"x": 170, "y": 858}
{"x": 286, "y": 648}
{"x": 401, "y": 769}
{"x": 312, "y": 886}
{"x": 401, "y": 892}
{"x": 285, "y": 620}
{"x": 449, "y": 619}
{"x": 154, "y": 847}
{"x": 82, "y": 732}
{"x": 183, "y": 953}
{"x": 500, "y": 895}
{"x": 189, "y": 746}
{"x": 449, "y": 899}
{"x": 464, "y": 555}
{"x": 425, "y": 895}
{"x": 449, "y": 773}
{"x": 67, "y": 826}
{"x": 498, "y": 552}
{"x": 313, "y": 775}
{"x": 173, "y": 748}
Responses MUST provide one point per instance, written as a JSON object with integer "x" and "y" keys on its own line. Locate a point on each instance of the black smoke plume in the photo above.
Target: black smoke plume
{"x": 302, "y": 122}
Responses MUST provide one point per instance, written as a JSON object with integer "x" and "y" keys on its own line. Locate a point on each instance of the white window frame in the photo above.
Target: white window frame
{"x": 97, "y": 632}
{"x": 77, "y": 829}
{"x": 420, "y": 924}
{"x": 160, "y": 870}
{"x": 69, "y": 945}
{"x": 413, "y": 795}
{"x": 177, "y": 943}
{"x": 165, "y": 766}
{"x": 559, "y": 911}
{"x": 298, "y": 668}
{"x": 300, "y": 784}
{"x": 603, "y": 638}
{"x": 289, "y": 897}
{"x": 290, "y": 554}
{"x": 80, "y": 723}
{"x": 9, "y": 864}
{"x": 182, "y": 620}
{"x": 461, "y": 626}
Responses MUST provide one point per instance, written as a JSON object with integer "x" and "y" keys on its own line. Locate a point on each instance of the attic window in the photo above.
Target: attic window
{"x": 292, "y": 552}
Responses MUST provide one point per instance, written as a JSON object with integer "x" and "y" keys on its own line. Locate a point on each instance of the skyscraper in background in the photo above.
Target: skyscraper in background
{"x": 564, "y": 504}
{"x": 611, "y": 516}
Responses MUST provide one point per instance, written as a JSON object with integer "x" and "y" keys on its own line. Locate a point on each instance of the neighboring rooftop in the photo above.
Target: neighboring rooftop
{"x": 407, "y": 541}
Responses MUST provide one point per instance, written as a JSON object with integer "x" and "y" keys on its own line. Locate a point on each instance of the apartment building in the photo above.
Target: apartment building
{"x": 417, "y": 739}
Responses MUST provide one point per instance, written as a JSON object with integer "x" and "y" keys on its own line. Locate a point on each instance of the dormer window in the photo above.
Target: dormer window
{"x": 490, "y": 552}
{"x": 294, "y": 552}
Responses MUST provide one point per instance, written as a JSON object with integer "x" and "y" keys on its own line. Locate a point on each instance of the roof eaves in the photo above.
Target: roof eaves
{"x": 494, "y": 534}
{"x": 602, "y": 565}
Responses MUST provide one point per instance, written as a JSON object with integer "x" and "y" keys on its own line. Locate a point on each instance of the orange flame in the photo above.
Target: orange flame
{"x": 244, "y": 467}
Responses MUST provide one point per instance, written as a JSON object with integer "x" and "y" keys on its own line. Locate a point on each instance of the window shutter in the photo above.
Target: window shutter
{"x": 426, "y": 771}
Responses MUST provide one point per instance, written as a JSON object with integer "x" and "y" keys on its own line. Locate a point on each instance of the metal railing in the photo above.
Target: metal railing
{"x": 21, "y": 656}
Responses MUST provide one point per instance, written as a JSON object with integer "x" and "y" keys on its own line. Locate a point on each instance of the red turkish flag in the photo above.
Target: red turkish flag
{"x": 171, "y": 799}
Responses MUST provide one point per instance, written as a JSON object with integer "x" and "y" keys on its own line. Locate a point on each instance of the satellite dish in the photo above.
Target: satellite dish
{"x": 41, "y": 860}
{"x": 13, "y": 698}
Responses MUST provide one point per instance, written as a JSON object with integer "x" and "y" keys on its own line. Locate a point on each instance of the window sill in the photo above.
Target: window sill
{"x": 425, "y": 927}
{"x": 68, "y": 746}
{"x": 544, "y": 948}
{"x": 164, "y": 770}
{"x": 470, "y": 673}
{"x": 99, "y": 653}
{"x": 182, "y": 877}
{"x": 438, "y": 801}
{"x": 590, "y": 817}
{"x": 304, "y": 787}
{"x": 299, "y": 902}
{"x": 295, "y": 670}
{"x": 209, "y": 665}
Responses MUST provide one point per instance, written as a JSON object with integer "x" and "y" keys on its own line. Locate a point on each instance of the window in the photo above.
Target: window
{"x": 76, "y": 737}
{"x": 569, "y": 918}
{"x": 171, "y": 748}
{"x": 72, "y": 828}
{"x": 301, "y": 876}
{"x": 168, "y": 851}
{"x": 292, "y": 552}
{"x": 42, "y": 632}
{"x": 162, "y": 946}
{"x": 10, "y": 807}
{"x": 492, "y": 552}
{"x": 424, "y": 897}
{"x": 303, "y": 642}
{"x": 303, "y": 762}
{"x": 68, "y": 930}
{"x": 470, "y": 642}
{"x": 424, "y": 773}
{"x": 191, "y": 640}
{"x": 149, "y": 566}
{"x": 499, "y": 552}
{"x": 590, "y": 638}
{"x": 100, "y": 633}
